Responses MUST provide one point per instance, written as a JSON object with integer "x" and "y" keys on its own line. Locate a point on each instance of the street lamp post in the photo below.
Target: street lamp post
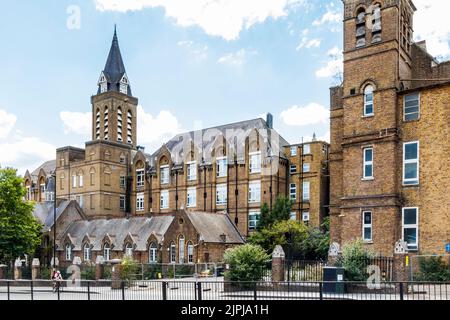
{"x": 54, "y": 219}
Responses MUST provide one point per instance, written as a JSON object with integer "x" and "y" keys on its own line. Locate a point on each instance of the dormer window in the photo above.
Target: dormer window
{"x": 124, "y": 85}
{"x": 103, "y": 83}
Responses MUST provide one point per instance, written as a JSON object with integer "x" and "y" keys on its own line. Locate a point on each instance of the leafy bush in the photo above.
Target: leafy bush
{"x": 87, "y": 273}
{"x": 151, "y": 271}
{"x": 354, "y": 260}
{"x": 129, "y": 269}
{"x": 246, "y": 263}
{"x": 433, "y": 269}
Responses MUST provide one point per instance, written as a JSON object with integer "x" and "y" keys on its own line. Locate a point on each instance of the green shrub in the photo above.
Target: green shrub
{"x": 246, "y": 263}
{"x": 88, "y": 273}
{"x": 129, "y": 269}
{"x": 433, "y": 269}
{"x": 354, "y": 260}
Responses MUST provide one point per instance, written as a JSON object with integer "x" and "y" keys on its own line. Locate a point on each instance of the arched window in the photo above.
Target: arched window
{"x": 119, "y": 124}
{"x": 181, "y": 249}
{"x": 97, "y": 125}
{"x": 107, "y": 252}
{"x": 190, "y": 252}
{"x": 68, "y": 252}
{"x": 129, "y": 250}
{"x": 86, "y": 252}
{"x": 368, "y": 101}
{"x": 376, "y": 23}
{"x": 80, "y": 179}
{"x": 92, "y": 176}
{"x": 152, "y": 253}
{"x": 129, "y": 127}
{"x": 106, "y": 124}
{"x": 173, "y": 252}
{"x": 361, "y": 28}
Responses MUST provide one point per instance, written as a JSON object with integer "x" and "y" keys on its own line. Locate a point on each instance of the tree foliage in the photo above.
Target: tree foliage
{"x": 246, "y": 263}
{"x": 355, "y": 257}
{"x": 20, "y": 232}
{"x": 298, "y": 240}
{"x": 280, "y": 211}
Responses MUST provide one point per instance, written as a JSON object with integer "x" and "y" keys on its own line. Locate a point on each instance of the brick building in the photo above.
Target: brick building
{"x": 390, "y": 145}
{"x": 225, "y": 171}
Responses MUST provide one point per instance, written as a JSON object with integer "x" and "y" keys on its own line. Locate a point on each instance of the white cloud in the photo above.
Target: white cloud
{"x": 328, "y": 17}
{"x": 76, "y": 122}
{"x": 238, "y": 58}
{"x": 222, "y": 18}
{"x": 431, "y": 24}
{"x": 309, "y": 43}
{"x": 7, "y": 122}
{"x": 153, "y": 131}
{"x": 311, "y": 114}
{"x": 334, "y": 65}
{"x": 198, "y": 52}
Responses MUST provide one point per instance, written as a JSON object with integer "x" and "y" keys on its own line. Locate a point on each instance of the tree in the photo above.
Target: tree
{"x": 20, "y": 232}
{"x": 298, "y": 240}
{"x": 246, "y": 263}
{"x": 355, "y": 257}
{"x": 281, "y": 211}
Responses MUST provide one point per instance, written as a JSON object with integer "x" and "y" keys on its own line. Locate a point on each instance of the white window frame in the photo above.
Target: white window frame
{"x": 80, "y": 180}
{"x": 367, "y": 226}
{"x": 293, "y": 191}
{"x": 191, "y": 197}
{"x": 129, "y": 250}
{"x": 122, "y": 198}
{"x": 140, "y": 178}
{"x": 122, "y": 181}
{"x": 191, "y": 171}
{"x": 307, "y": 148}
{"x": 411, "y": 113}
{"x": 368, "y": 163}
{"x": 293, "y": 216}
{"x": 253, "y": 223}
{"x": 164, "y": 199}
{"x": 86, "y": 252}
{"x": 74, "y": 181}
{"x": 254, "y": 192}
{"x": 190, "y": 252}
{"x": 306, "y": 196}
{"x": 368, "y": 103}
{"x": 306, "y": 216}
{"x": 221, "y": 194}
{"x": 173, "y": 252}
{"x": 140, "y": 199}
{"x": 255, "y": 162}
{"x": 411, "y": 182}
{"x": 153, "y": 253}
{"x": 68, "y": 252}
{"x": 165, "y": 174}
{"x": 107, "y": 252}
{"x": 292, "y": 169}
{"x": 294, "y": 151}
{"x": 181, "y": 249}
{"x": 221, "y": 167}
{"x": 415, "y": 246}
{"x": 306, "y": 167}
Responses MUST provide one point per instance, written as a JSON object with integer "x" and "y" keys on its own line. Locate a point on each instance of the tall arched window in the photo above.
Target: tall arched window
{"x": 129, "y": 127}
{"x": 173, "y": 252}
{"x": 87, "y": 252}
{"x": 181, "y": 249}
{"x": 119, "y": 124}
{"x": 152, "y": 253}
{"x": 190, "y": 252}
{"x": 97, "y": 125}
{"x": 92, "y": 176}
{"x": 107, "y": 252}
{"x": 80, "y": 179}
{"x": 106, "y": 124}
{"x": 376, "y": 23}
{"x": 361, "y": 28}
{"x": 68, "y": 252}
{"x": 129, "y": 250}
{"x": 368, "y": 101}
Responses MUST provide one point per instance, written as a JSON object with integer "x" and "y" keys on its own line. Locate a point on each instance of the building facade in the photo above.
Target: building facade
{"x": 390, "y": 146}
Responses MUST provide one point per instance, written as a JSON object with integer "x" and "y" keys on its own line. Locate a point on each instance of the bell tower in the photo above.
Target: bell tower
{"x": 113, "y": 107}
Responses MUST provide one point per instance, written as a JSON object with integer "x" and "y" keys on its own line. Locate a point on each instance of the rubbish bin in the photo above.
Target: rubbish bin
{"x": 333, "y": 278}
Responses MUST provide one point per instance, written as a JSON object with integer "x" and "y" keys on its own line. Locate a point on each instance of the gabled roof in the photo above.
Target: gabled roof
{"x": 114, "y": 68}
{"x": 44, "y": 212}
{"x": 245, "y": 127}
{"x": 119, "y": 230}
{"x": 48, "y": 167}
{"x": 211, "y": 226}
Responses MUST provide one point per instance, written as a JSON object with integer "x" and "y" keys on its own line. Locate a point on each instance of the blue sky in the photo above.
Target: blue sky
{"x": 191, "y": 64}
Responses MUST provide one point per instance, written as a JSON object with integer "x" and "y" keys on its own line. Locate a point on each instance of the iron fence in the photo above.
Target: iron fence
{"x": 221, "y": 290}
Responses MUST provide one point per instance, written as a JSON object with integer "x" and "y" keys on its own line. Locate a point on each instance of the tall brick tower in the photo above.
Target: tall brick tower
{"x": 114, "y": 107}
{"x": 365, "y": 161}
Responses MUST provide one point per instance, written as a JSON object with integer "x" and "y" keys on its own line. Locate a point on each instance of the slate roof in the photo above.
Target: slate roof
{"x": 138, "y": 229}
{"x": 211, "y": 226}
{"x": 114, "y": 68}
{"x": 244, "y": 126}
{"x": 49, "y": 167}
{"x": 43, "y": 212}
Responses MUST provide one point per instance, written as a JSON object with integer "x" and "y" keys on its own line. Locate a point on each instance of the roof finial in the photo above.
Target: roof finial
{"x": 115, "y": 32}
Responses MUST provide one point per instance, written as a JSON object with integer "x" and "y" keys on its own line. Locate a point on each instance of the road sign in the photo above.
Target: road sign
{"x": 447, "y": 247}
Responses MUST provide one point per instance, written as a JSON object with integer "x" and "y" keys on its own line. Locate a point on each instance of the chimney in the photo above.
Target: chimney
{"x": 422, "y": 44}
{"x": 269, "y": 120}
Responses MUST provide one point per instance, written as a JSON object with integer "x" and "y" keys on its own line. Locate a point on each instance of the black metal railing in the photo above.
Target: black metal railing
{"x": 222, "y": 290}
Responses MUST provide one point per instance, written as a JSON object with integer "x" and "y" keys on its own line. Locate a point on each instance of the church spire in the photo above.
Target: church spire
{"x": 114, "y": 77}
